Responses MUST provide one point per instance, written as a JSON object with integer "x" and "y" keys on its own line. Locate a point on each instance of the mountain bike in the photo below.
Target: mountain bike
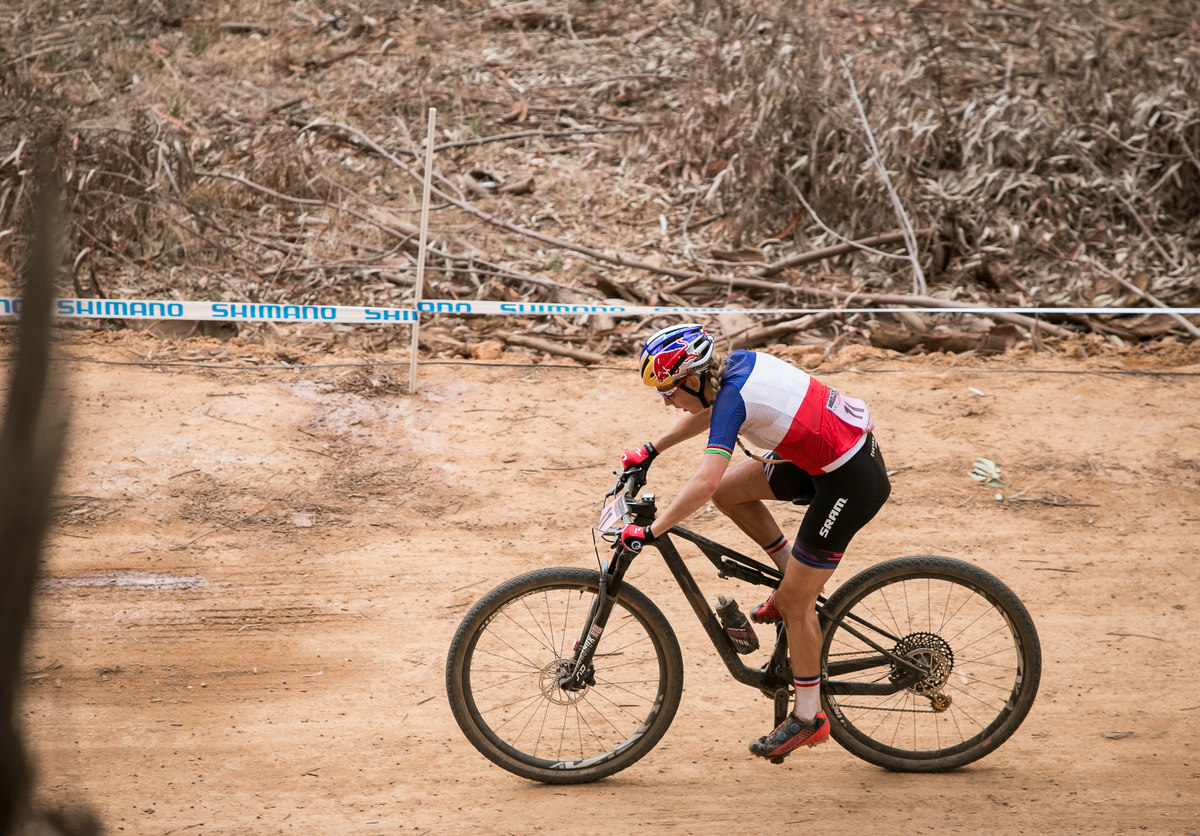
{"x": 569, "y": 675}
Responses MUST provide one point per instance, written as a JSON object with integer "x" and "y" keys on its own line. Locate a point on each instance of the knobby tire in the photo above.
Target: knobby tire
{"x": 502, "y": 678}
{"x": 972, "y": 633}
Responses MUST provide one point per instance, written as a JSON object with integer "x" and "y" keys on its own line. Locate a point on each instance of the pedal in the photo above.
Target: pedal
{"x": 775, "y": 760}
{"x": 783, "y": 704}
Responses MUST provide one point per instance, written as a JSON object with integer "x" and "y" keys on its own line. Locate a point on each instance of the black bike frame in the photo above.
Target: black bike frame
{"x": 775, "y": 677}
{"x": 729, "y": 563}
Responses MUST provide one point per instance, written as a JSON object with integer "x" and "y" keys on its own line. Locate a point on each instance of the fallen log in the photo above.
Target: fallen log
{"x": 550, "y": 347}
{"x": 994, "y": 341}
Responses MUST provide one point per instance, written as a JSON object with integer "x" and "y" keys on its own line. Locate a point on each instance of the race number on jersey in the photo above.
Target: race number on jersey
{"x": 852, "y": 411}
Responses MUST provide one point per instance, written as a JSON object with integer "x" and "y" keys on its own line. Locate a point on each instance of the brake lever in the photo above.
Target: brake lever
{"x": 634, "y": 477}
{"x": 622, "y": 478}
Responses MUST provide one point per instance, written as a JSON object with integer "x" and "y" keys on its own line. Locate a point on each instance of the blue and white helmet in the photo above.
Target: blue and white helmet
{"x": 673, "y": 353}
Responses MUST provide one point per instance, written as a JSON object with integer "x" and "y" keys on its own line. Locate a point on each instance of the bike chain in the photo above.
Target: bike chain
{"x": 896, "y": 710}
{"x": 878, "y": 707}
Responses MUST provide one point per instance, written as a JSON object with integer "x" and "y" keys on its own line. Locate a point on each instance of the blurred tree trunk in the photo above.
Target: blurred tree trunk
{"x": 30, "y": 450}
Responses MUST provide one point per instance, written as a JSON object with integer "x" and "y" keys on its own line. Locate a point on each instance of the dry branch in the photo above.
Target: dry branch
{"x": 487, "y": 217}
{"x": 406, "y": 233}
{"x": 483, "y": 140}
{"x": 797, "y": 259}
{"x": 910, "y": 239}
{"x": 1027, "y": 322}
{"x": 550, "y": 347}
{"x": 1156, "y": 302}
{"x": 763, "y": 334}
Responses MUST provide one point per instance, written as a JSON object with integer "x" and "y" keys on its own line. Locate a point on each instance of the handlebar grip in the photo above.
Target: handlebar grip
{"x": 635, "y": 480}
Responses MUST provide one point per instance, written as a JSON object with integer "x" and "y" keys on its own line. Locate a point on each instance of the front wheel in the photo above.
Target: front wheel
{"x": 506, "y": 666}
{"x": 970, "y": 635}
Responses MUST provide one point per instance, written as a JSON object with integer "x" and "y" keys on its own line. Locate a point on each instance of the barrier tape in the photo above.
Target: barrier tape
{"x": 254, "y": 312}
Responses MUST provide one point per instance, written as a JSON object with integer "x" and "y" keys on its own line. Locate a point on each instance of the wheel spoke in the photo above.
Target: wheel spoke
{"x": 506, "y": 689}
{"x": 956, "y": 623}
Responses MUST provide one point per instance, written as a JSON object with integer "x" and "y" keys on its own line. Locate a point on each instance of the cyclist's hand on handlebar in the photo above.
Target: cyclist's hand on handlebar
{"x": 639, "y": 457}
{"x": 633, "y": 537}
{"x": 631, "y": 481}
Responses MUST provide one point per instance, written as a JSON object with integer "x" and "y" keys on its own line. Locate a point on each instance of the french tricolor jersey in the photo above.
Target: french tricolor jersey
{"x": 779, "y": 407}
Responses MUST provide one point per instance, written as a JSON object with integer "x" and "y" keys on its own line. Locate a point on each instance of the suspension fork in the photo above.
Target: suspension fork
{"x": 580, "y": 672}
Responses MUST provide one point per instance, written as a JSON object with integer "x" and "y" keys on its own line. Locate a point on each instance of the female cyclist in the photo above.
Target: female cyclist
{"x": 823, "y": 454}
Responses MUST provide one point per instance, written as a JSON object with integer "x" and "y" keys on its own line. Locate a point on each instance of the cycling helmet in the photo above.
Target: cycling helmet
{"x": 673, "y": 353}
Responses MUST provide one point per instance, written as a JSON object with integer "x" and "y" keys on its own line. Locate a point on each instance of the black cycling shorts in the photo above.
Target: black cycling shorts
{"x": 788, "y": 482}
{"x": 839, "y": 503}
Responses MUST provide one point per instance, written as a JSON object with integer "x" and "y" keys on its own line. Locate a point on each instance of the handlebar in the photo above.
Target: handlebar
{"x": 623, "y": 505}
{"x": 632, "y": 480}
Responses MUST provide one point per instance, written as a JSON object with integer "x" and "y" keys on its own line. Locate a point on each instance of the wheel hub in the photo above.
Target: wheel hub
{"x": 552, "y": 683}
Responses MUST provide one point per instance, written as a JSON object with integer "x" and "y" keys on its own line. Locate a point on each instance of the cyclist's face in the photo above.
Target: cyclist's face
{"x": 684, "y": 396}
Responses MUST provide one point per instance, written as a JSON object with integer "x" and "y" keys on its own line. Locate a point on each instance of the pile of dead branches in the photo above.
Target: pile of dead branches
{"x": 718, "y": 154}
{"x": 1054, "y": 156}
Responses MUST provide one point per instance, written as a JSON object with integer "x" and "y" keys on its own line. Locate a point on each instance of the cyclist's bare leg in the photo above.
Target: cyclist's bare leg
{"x": 740, "y": 497}
{"x": 796, "y": 600}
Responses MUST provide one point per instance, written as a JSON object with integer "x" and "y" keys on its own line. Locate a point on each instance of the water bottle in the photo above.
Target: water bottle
{"x": 736, "y": 625}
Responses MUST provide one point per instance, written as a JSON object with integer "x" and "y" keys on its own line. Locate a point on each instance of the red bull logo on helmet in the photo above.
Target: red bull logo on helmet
{"x": 667, "y": 361}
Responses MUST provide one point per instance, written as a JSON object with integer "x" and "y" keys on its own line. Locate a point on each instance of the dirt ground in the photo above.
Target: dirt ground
{"x": 253, "y": 578}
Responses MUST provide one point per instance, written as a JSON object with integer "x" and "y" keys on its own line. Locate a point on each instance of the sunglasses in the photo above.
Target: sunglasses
{"x": 668, "y": 392}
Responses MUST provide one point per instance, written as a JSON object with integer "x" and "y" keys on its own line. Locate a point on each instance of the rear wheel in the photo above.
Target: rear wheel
{"x": 513, "y": 649}
{"x": 972, "y": 637}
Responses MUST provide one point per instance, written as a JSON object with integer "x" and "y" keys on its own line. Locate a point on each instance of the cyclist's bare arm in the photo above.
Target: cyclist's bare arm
{"x": 689, "y": 426}
{"x": 698, "y": 490}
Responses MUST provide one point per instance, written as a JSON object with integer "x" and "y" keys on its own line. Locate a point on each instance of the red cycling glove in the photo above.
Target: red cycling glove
{"x": 633, "y": 537}
{"x": 638, "y": 457}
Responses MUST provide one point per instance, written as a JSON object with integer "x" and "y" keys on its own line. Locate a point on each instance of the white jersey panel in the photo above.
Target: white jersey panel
{"x": 773, "y": 394}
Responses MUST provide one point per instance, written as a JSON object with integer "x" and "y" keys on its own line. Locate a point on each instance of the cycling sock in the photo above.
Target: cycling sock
{"x": 808, "y": 697}
{"x": 778, "y": 551}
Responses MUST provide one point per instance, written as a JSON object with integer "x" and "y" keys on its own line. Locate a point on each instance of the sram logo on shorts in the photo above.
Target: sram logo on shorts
{"x": 833, "y": 515}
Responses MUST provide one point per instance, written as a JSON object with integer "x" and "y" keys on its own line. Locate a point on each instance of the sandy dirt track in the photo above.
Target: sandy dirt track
{"x": 253, "y": 578}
